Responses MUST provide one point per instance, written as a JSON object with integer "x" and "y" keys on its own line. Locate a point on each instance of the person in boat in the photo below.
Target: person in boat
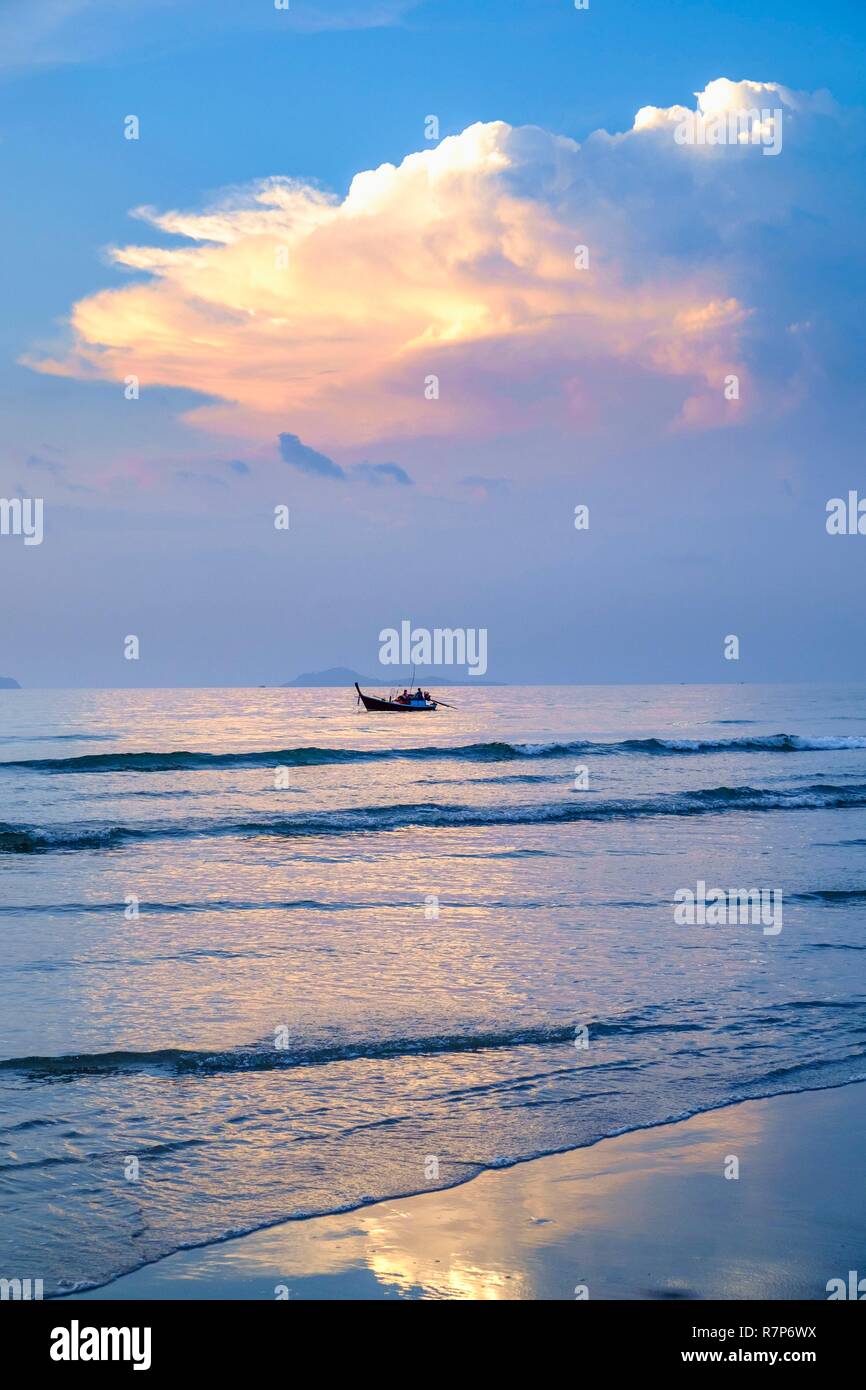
{"x": 419, "y": 694}
{"x": 404, "y": 698}
{"x": 427, "y": 695}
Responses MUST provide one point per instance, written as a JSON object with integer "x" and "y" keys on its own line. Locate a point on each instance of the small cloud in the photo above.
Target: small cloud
{"x": 41, "y": 465}
{"x": 187, "y": 475}
{"x": 238, "y": 466}
{"x": 485, "y": 489}
{"x": 299, "y": 455}
{"x": 383, "y": 473}
{"x": 80, "y": 31}
{"x": 53, "y": 469}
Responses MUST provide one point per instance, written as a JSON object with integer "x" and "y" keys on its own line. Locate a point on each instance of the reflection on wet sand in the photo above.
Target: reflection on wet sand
{"x": 645, "y": 1215}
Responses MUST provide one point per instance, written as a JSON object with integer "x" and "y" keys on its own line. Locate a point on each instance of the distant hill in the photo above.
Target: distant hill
{"x": 335, "y": 675}
{"x": 7, "y": 683}
{"x": 342, "y": 675}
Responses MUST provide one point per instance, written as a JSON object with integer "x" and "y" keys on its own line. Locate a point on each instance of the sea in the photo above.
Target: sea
{"x": 265, "y": 956}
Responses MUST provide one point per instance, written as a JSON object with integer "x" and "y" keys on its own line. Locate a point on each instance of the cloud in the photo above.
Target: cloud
{"x": 383, "y": 473}
{"x": 238, "y": 466}
{"x": 460, "y": 264}
{"x": 43, "y": 465}
{"x": 50, "y": 33}
{"x": 53, "y": 469}
{"x": 299, "y": 455}
{"x": 308, "y": 460}
{"x": 723, "y": 97}
{"x": 189, "y": 475}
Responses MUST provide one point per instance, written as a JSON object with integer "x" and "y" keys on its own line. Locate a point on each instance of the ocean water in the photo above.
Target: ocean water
{"x": 365, "y": 945}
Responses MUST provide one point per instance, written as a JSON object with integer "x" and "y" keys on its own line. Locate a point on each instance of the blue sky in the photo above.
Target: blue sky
{"x": 702, "y": 523}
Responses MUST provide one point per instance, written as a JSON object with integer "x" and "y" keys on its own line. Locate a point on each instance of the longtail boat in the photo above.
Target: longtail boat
{"x": 412, "y": 705}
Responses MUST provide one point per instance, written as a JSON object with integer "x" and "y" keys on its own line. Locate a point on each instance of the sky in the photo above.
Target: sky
{"x": 431, "y": 276}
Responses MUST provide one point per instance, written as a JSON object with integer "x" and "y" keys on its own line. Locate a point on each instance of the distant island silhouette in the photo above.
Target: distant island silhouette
{"x": 7, "y": 683}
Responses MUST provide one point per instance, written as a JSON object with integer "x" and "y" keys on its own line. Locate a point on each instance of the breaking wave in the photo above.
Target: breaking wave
{"x": 182, "y": 760}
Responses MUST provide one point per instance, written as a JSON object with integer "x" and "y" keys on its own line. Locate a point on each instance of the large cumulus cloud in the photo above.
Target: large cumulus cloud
{"x": 296, "y": 310}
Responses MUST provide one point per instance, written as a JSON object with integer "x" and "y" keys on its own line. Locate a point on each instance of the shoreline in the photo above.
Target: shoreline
{"x": 648, "y": 1214}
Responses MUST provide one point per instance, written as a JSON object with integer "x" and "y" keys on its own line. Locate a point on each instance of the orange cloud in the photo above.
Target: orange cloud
{"x": 295, "y": 310}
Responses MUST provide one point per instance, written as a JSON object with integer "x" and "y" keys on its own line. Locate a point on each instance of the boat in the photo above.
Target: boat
{"x": 374, "y": 705}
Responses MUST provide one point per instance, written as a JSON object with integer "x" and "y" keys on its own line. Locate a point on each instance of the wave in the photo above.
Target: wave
{"x": 182, "y": 760}
{"x": 245, "y": 905}
{"x": 256, "y": 1057}
{"x": 830, "y": 895}
{"x": 22, "y": 839}
{"x": 266, "y": 1056}
{"x": 206, "y": 905}
{"x": 57, "y": 738}
{"x": 834, "y": 946}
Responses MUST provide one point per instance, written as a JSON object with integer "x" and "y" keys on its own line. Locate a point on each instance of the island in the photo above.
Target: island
{"x": 335, "y": 675}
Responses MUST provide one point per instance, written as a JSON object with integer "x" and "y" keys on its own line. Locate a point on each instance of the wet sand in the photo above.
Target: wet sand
{"x": 645, "y": 1215}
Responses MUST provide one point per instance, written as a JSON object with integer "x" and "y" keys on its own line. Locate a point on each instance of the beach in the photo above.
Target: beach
{"x": 268, "y": 959}
{"x": 432, "y": 709}
{"x": 646, "y": 1215}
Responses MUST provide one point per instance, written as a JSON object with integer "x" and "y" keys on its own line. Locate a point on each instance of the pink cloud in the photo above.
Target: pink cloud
{"x": 295, "y": 310}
